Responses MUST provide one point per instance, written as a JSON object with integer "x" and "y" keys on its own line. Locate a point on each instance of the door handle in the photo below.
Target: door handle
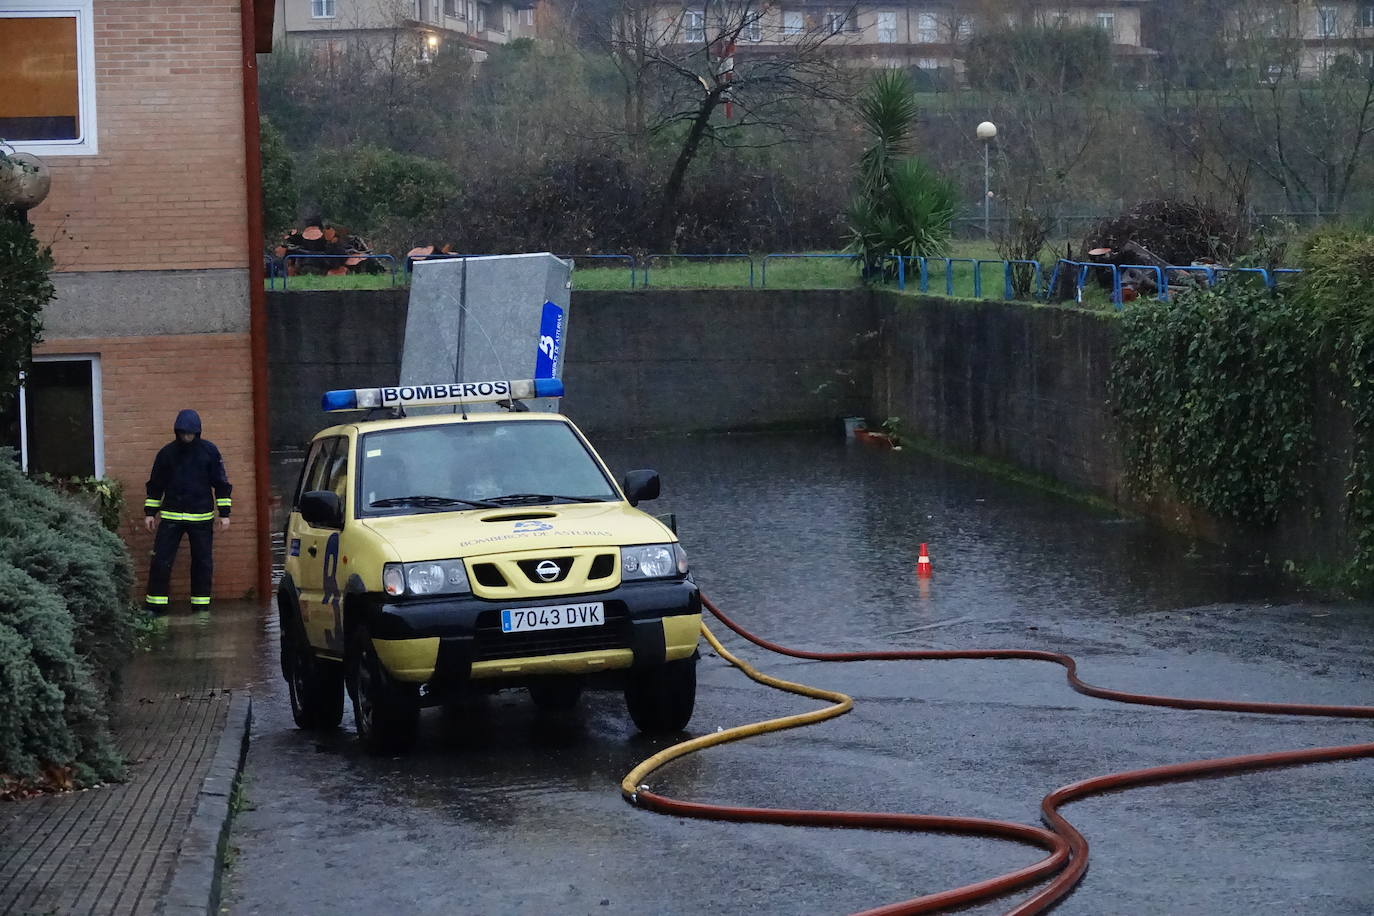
{"x": 311, "y": 550}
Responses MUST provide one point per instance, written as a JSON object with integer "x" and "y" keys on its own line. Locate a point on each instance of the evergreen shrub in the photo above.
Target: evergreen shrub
{"x": 66, "y": 630}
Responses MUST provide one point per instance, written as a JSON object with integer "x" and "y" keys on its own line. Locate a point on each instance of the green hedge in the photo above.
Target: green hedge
{"x": 66, "y": 630}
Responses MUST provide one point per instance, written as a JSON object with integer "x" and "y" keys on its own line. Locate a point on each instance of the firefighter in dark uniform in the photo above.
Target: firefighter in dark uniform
{"x": 188, "y": 487}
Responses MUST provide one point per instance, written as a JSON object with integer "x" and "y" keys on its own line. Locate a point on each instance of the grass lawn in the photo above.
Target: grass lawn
{"x": 732, "y": 273}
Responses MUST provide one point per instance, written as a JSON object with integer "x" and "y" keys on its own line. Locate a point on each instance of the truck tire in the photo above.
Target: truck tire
{"x": 386, "y": 713}
{"x": 661, "y": 698}
{"x": 315, "y": 684}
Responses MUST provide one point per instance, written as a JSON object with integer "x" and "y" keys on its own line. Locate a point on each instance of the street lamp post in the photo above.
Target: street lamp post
{"x": 986, "y": 131}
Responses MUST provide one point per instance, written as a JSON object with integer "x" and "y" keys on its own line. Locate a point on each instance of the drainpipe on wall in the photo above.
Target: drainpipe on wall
{"x": 257, "y": 298}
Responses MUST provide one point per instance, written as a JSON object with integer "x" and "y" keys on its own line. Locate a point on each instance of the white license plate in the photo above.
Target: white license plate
{"x": 525, "y": 619}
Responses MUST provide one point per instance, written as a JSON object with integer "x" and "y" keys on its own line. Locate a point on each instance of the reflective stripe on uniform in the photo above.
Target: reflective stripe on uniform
{"x": 224, "y": 501}
{"x": 152, "y": 503}
{"x": 195, "y": 600}
{"x": 187, "y": 516}
{"x": 156, "y": 599}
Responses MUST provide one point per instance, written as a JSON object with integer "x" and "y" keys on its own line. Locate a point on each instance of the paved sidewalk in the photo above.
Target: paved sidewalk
{"x": 113, "y": 849}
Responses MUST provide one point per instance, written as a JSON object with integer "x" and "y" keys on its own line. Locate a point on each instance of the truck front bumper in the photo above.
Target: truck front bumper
{"x": 450, "y": 640}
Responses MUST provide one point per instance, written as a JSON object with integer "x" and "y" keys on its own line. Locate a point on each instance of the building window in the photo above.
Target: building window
{"x": 927, "y": 29}
{"x": 47, "y": 71}
{"x": 887, "y": 27}
{"x": 1326, "y": 21}
{"x": 694, "y": 25}
{"x": 927, "y": 63}
{"x": 527, "y": 17}
{"x": 963, "y": 28}
{"x": 793, "y": 23}
{"x": 322, "y": 9}
{"x": 61, "y": 429}
{"x": 1107, "y": 23}
{"x": 1367, "y": 16}
{"x": 834, "y": 23}
{"x": 1367, "y": 60}
{"x": 451, "y": 9}
{"x": 753, "y": 30}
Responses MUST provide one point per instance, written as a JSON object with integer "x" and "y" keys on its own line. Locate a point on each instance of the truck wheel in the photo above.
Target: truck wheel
{"x": 386, "y": 713}
{"x": 661, "y": 698}
{"x": 556, "y": 695}
{"x": 315, "y": 684}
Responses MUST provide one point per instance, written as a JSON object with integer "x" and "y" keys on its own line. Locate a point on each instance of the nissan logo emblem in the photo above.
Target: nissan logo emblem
{"x": 548, "y": 570}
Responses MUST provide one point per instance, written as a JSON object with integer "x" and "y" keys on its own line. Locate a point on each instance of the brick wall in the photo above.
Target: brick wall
{"x": 167, "y": 188}
{"x": 144, "y": 382}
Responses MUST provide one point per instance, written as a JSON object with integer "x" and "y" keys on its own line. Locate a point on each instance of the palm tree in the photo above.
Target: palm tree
{"x": 902, "y": 207}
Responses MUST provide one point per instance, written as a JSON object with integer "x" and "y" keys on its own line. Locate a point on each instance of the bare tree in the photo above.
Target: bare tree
{"x": 1292, "y": 108}
{"x": 738, "y": 73}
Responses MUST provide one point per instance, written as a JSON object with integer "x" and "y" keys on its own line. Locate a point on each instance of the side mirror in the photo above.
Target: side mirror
{"x": 640, "y": 485}
{"x": 321, "y": 509}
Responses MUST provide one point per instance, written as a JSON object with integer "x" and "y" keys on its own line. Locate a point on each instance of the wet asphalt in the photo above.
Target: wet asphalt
{"x": 813, "y": 543}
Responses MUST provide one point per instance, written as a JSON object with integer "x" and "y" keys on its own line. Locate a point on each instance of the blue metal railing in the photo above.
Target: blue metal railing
{"x": 1081, "y": 269}
{"x": 1119, "y": 276}
{"x": 649, "y": 258}
{"x": 1161, "y": 285}
{"x": 1009, "y": 287}
{"x": 286, "y": 271}
{"x": 1258, "y": 271}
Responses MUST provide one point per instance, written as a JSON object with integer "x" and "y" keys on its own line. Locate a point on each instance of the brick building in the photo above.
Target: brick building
{"x": 146, "y": 113}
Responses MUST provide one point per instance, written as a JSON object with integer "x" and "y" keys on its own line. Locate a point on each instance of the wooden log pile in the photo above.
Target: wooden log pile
{"x": 333, "y": 251}
{"x": 1134, "y": 262}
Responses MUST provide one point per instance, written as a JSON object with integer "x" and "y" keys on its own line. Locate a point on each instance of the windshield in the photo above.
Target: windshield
{"x": 456, "y": 466}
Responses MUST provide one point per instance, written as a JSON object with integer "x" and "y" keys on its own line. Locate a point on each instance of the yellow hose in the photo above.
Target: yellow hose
{"x": 842, "y": 703}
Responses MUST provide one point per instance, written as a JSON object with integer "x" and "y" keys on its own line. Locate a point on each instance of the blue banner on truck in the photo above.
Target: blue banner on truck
{"x": 548, "y": 359}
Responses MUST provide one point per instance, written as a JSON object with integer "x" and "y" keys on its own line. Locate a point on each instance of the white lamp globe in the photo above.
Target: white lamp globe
{"x": 987, "y": 130}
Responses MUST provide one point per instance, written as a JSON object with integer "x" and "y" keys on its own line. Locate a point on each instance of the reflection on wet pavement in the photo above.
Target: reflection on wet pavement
{"x": 505, "y": 810}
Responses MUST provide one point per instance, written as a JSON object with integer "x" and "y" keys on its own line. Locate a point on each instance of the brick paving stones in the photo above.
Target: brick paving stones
{"x": 111, "y": 849}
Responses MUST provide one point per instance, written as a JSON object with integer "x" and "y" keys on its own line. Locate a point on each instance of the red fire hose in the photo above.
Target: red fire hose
{"x": 1068, "y": 849}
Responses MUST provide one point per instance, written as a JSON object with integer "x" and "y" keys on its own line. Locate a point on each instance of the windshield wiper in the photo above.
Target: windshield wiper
{"x": 542, "y": 498}
{"x": 431, "y": 502}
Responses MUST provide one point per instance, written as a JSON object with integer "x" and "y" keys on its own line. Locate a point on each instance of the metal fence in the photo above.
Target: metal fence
{"x": 976, "y": 278}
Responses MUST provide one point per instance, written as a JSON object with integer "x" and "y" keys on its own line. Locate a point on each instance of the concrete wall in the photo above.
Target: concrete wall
{"x": 680, "y": 361}
{"x": 1028, "y": 385}
{"x": 674, "y": 361}
{"x": 1024, "y": 385}
{"x": 317, "y": 341}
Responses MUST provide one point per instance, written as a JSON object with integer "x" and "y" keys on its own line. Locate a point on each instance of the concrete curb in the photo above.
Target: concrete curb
{"x": 195, "y": 884}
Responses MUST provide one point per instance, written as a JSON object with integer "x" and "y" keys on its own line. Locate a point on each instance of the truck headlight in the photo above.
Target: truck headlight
{"x": 653, "y": 561}
{"x": 432, "y": 577}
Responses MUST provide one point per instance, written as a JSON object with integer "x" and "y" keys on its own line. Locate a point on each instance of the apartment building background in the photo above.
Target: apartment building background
{"x": 1303, "y": 39}
{"x": 919, "y": 34}
{"x": 333, "y": 27}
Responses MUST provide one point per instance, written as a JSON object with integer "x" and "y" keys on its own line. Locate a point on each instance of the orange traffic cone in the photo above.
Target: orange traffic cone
{"x": 923, "y": 564}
